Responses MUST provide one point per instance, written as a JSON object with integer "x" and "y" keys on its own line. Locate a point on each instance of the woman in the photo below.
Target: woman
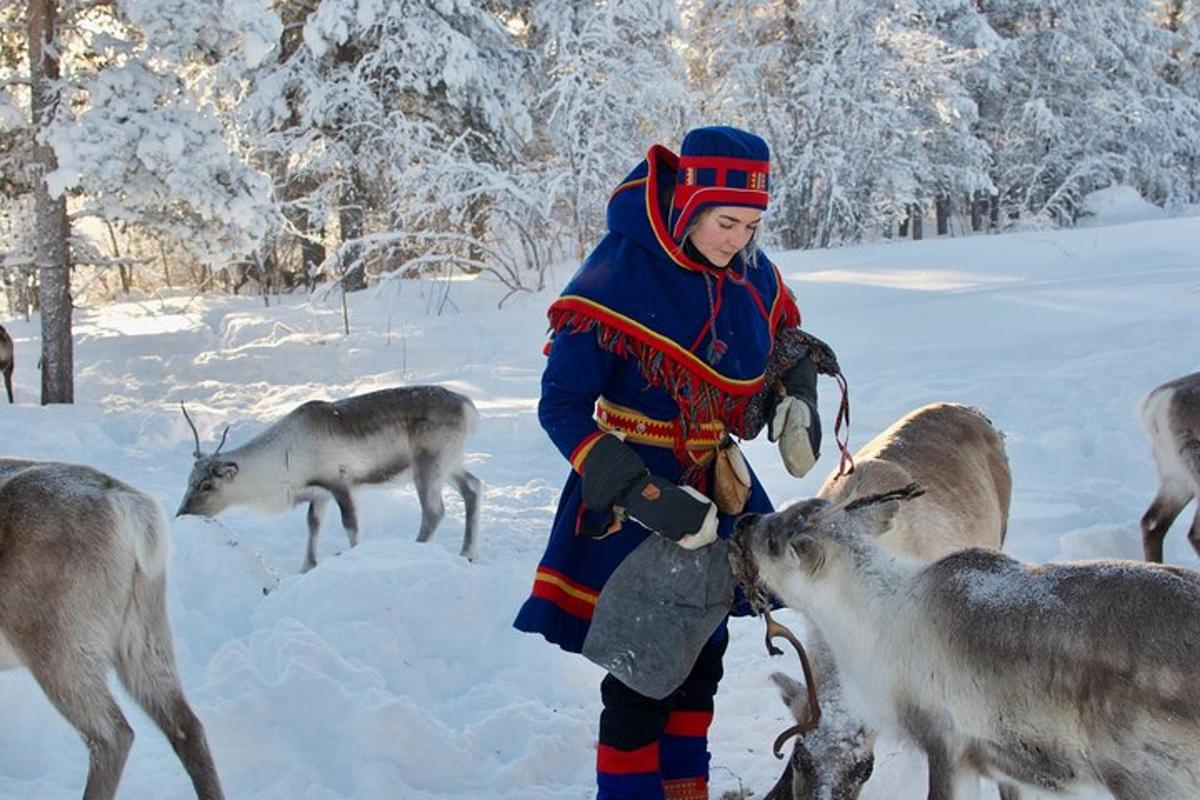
{"x": 658, "y": 351}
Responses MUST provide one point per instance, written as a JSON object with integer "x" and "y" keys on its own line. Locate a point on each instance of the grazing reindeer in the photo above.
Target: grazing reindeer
{"x": 1171, "y": 418}
{"x": 323, "y": 450}
{"x": 83, "y": 561}
{"x": 1055, "y": 677}
{"x": 956, "y": 455}
{"x": 6, "y": 361}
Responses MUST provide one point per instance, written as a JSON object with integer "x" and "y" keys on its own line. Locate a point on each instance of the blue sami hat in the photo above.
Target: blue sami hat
{"x": 719, "y": 166}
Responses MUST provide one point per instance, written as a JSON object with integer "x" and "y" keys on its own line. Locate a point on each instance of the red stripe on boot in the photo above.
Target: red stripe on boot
{"x": 624, "y": 762}
{"x": 686, "y": 789}
{"x": 689, "y": 723}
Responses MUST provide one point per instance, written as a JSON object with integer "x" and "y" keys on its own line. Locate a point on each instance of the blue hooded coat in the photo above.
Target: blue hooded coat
{"x": 658, "y": 334}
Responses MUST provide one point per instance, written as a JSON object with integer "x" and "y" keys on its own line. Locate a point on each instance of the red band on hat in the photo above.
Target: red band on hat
{"x": 694, "y": 196}
{"x": 724, "y": 163}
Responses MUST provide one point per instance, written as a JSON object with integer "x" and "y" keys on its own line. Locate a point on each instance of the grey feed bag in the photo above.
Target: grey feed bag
{"x": 657, "y": 610}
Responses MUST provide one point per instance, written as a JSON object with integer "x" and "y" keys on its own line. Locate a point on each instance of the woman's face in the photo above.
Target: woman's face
{"x": 722, "y": 232}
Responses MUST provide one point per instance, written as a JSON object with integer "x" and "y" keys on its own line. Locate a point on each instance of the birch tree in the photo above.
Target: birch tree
{"x": 51, "y": 245}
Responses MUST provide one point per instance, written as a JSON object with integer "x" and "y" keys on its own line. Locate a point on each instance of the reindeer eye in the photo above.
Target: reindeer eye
{"x": 206, "y": 486}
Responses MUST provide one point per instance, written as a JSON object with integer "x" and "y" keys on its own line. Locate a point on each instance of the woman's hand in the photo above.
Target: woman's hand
{"x": 615, "y": 477}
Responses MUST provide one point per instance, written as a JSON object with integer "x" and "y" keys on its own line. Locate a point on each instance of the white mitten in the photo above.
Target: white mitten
{"x": 779, "y": 417}
{"x": 708, "y": 529}
{"x": 790, "y": 425}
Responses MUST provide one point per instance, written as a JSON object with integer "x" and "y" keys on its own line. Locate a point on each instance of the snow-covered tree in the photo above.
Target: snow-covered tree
{"x": 51, "y": 230}
{"x": 111, "y": 111}
{"x": 148, "y": 146}
{"x": 1181, "y": 19}
{"x": 606, "y": 84}
{"x": 1085, "y": 102}
{"x": 380, "y": 121}
{"x": 861, "y": 101}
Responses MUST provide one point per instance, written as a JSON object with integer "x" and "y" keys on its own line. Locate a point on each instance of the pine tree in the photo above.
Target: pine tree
{"x": 863, "y": 106}
{"x": 1085, "y": 102}
{"x": 607, "y": 84}
{"x": 395, "y": 122}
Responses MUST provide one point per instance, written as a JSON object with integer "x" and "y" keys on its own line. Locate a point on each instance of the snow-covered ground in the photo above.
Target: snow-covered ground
{"x": 391, "y": 671}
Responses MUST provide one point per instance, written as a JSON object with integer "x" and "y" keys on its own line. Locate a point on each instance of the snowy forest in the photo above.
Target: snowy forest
{"x": 272, "y": 145}
{"x": 213, "y": 212}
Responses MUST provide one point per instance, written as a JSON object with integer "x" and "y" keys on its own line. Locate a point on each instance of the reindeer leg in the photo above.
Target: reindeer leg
{"x": 341, "y": 495}
{"x": 315, "y": 509}
{"x": 1157, "y": 521}
{"x": 76, "y": 684}
{"x": 941, "y": 775}
{"x": 1009, "y": 792}
{"x": 468, "y": 486}
{"x": 1194, "y": 533}
{"x": 429, "y": 491}
{"x": 146, "y": 667}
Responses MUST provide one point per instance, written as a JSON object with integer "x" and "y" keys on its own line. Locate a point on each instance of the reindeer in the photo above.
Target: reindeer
{"x": 325, "y": 450}
{"x": 1054, "y": 677}
{"x": 83, "y": 561}
{"x": 6, "y": 361}
{"x": 1171, "y": 417}
{"x": 955, "y": 453}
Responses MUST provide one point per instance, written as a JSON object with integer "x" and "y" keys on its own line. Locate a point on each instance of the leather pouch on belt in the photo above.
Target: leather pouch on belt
{"x": 731, "y": 478}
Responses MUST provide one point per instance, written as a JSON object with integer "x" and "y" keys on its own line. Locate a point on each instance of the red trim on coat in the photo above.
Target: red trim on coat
{"x": 612, "y": 761}
{"x": 689, "y": 723}
{"x": 580, "y": 453}
{"x": 689, "y": 362}
{"x": 573, "y": 598}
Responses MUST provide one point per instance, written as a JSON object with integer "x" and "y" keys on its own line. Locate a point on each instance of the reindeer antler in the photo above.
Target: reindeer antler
{"x": 195, "y": 434}
{"x": 774, "y": 629}
{"x": 221, "y": 443}
{"x": 907, "y": 492}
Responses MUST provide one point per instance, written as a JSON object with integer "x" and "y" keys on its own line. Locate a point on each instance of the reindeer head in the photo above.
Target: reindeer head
{"x": 831, "y": 761}
{"x": 795, "y": 551}
{"x": 210, "y": 475}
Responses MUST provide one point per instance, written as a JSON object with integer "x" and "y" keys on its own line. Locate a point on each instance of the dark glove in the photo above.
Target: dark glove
{"x": 616, "y": 478}
{"x": 794, "y": 422}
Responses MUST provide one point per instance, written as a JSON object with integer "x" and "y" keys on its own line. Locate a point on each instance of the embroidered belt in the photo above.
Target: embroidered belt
{"x": 700, "y": 446}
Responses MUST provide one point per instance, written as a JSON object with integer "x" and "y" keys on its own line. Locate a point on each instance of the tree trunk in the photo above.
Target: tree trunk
{"x": 918, "y": 225}
{"x": 52, "y": 230}
{"x": 351, "y": 222}
{"x": 942, "y": 207}
{"x": 478, "y": 212}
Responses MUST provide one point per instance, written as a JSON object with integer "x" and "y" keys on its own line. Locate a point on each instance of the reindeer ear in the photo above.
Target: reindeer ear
{"x": 808, "y": 550}
{"x": 789, "y": 687}
{"x": 225, "y": 469}
{"x": 877, "y": 518}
